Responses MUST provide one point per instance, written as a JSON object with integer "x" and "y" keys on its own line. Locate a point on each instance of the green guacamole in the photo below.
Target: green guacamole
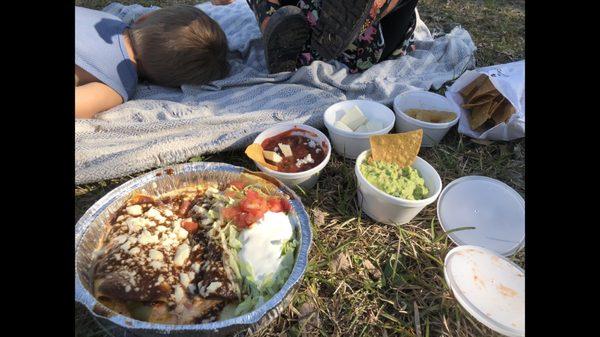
{"x": 405, "y": 183}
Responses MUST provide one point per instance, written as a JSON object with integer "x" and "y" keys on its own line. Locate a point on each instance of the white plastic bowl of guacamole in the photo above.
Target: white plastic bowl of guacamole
{"x": 383, "y": 207}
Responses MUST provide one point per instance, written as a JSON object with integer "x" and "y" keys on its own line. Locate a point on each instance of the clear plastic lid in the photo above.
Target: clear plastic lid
{"x": 494, "y": 210}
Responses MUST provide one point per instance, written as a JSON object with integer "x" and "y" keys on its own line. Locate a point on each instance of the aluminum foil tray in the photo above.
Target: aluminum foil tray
{"x": 91, "y": 229}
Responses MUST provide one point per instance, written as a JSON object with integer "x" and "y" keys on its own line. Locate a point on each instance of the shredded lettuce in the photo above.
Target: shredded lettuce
{"x": 244, "y": 272}
{"x": 270, "y": 285}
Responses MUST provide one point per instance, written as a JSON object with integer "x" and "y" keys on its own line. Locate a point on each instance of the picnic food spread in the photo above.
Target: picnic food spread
{"x": 197, "y": 254}
{"x": 487, "y": 106}
{"x": 431, "y": 116}
{"x": 213, "y": 251}
{"x": 354, "y": 120}
{"x": 291, "y": 151}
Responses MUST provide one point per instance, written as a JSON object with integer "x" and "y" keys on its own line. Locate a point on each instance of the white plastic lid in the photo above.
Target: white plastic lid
{"x": 489, "y": 286}
{"x": 495, "y": 210}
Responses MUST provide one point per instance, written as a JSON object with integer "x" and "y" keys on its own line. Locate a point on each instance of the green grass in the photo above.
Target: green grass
{"x": 369, "y": 279}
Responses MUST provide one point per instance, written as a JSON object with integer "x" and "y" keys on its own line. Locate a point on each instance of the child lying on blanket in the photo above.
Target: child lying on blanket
{"x": 170, "y": 47}
{"x": 358, "y": 33}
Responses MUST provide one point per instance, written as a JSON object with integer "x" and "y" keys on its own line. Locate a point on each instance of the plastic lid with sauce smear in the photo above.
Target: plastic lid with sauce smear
{"x": 495, "y": 210}
{"x": 489, "y": 286}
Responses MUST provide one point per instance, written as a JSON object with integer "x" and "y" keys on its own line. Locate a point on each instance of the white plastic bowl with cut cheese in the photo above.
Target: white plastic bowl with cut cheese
{"x": 304, "y": 179}
{"x": 351, "y": 123}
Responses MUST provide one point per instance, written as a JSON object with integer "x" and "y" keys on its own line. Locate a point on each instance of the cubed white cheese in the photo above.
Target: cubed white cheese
{"x": 362, "y": 128}
{"x": 272, "y": 156}
{"x": 353, "y": 118}
{"x": 374, "y": 126}
{"x": 134, "y": 210}
{"x": 286, "y": 150}
{"x": 181, "y": 255}
{"x": 340, "y": 125}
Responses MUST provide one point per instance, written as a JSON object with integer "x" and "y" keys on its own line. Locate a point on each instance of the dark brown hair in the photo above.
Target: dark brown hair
{"x": 179, "y": 45}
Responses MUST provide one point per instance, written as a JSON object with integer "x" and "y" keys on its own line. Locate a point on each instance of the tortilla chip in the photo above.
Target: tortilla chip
{"x": 431, "y": 116}
{"x": 255, "y": 152}
{"x": 399, "y": 148}
{"x": 503, "y": 111}
{"x": 480, "y": 114}
{"x": 480, "y": 100}
{"x": 486, "y": 88}
{"x": 469, "y": 90}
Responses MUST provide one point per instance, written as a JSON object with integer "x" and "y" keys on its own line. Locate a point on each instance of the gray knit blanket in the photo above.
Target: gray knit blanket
{"x": 162, "y": 126}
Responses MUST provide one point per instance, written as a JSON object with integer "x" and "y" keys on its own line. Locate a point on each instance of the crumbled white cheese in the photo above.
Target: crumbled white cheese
{"x": 182, "y": 233}
{"x": 156, "y": 264}
{"x": 134, "y": 251}
{"x": 161, "y": 228}
{"x": 212, "y": 287}
{"x": 182, "y": 254}
{"x": 196, "y": 267}
{"x": 184, "y": 278}
{"x": 147, "y": 238}
{"x": 206, "y": 222}
{"x": 119, "y": 240}
{"x": 168, "y": 213}
{"x": 192, "y": 288}
{"x": 134, "y": 210}
{"x": 179, "y": 294}
{"x": 312, "y": 144}
{"x": 155, "y": 255}
{"x": 198, "y": 210}
{"x": 305, "y": 160}
{"x": 153, "y": 213}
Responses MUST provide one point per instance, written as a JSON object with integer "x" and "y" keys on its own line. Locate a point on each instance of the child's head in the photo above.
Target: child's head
{"x": 179, "y": 45}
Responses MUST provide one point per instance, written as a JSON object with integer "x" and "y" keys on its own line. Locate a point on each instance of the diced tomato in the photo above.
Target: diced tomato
{"x": 190, "y": 226}
{"x": 230, "y": 213}
{"x": 285, "y": 205}
{"x": 253, "y": 201}
{"x": 279, "y": 205}
{"x": 275, "y": 204}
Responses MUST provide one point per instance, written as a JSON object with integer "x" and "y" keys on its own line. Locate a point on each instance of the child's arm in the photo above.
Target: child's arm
{"x": 94, "y": 97}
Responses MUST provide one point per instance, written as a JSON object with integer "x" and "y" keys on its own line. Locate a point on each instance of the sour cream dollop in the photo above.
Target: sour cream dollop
{"x": 262, "y": 244}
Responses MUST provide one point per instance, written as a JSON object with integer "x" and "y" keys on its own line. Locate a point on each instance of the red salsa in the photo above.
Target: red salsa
{"x": 306, "y": 152}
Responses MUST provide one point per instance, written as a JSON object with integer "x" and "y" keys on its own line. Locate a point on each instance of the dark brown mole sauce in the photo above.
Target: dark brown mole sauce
{"x": 300, "y": 149}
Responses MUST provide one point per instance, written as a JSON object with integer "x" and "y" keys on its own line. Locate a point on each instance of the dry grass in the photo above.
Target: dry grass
{"x": 368, "y": 279}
